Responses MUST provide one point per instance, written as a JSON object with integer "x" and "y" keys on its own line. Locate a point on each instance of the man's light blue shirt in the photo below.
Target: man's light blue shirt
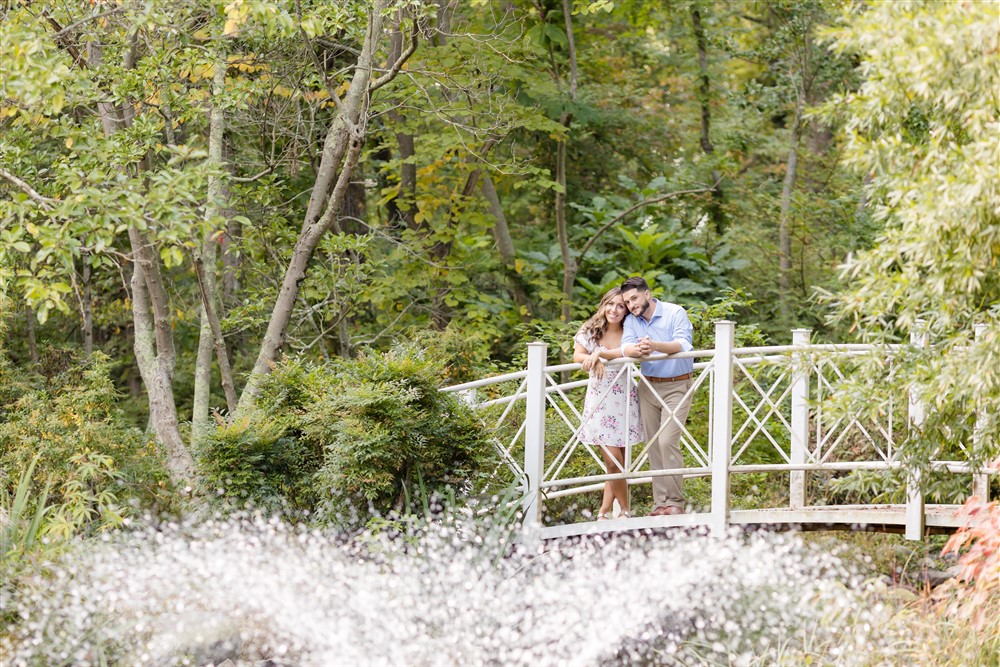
{"x": 669, "y": 323}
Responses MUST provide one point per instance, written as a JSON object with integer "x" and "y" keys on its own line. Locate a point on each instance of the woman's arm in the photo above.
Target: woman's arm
{"x": 615, "y": 353}
{"x": 589, "y": 360}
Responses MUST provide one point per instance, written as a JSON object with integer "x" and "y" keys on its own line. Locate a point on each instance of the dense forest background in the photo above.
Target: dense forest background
{"x": 517, "y": 160}
{"x": 199, "y": 191}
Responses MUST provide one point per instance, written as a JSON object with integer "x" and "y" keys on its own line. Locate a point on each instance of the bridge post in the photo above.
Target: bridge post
{"x": 534, "y": 439}
{"x": 800, "y": 420}
{"x": 980, "y": 482}
{"x": 721, "y": 439}
{"x": 915, "y": 518}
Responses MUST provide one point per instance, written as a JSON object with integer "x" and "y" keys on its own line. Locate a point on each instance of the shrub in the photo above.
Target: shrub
{"x": 88, "y": 454}
{"x": 976, "y": 587}
{"x": 366, "y": 432}
{"x": 256, "y": 461}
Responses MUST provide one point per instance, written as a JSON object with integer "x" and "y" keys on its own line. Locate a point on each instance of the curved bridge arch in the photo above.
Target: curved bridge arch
{"x": 772, "y": 402}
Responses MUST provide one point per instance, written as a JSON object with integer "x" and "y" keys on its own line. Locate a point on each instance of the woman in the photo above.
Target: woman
{"x": 611, "y": 401}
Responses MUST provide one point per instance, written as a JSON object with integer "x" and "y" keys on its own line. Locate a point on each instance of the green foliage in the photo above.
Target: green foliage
{"x": 923, "y": 126}
{"x": 395, "y": 429}
{"x": 466, "y": 349}
{"x": 727, "y": 306}
{"x": 364, "y": 433}
{"x": 558, "y": 335}
{"x": 85, "y": 450}
{"x": 88, "y": 502}
{"x": 253, "y": 461}
{"x": 877, "y": 486}
{"x": 21, "y": 517}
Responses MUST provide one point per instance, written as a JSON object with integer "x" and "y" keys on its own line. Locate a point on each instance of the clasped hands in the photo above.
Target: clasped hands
{"x": 644, "y": 346}
{"x": 594, "y": 364}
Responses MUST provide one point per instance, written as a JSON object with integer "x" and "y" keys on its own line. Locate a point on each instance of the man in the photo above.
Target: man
{"x": 658, "y": 327}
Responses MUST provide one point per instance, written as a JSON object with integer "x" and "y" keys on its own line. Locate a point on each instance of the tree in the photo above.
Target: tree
{"x": 923, "y": 127}
{"x": 341, "y": 152}
{"x": 140, "y": 181}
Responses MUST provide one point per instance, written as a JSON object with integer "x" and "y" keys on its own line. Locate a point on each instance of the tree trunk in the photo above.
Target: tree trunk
{"x": 87, "y": 306}
{"x": 341, "y": 151}
{"x": 569, "y": 264}
{"x": 208, "y": 307}
{"x": 207, "y": 283}
{"x": 155, "y": 358}
{"x": 232, "y": 262}
{"x": 229, "y": 243}
{"x": 406, "y": 201}
{"x": 704, "y": 87}
{"x": 231, "y": 259}
{"x": 785, "y": 222}
{"x": 153, "y": 343}
{"x": 201, "y": 402}
{"x": 203, "y": 363}
{"x": 715, "y": 210}
{"x": 505, "y": 246}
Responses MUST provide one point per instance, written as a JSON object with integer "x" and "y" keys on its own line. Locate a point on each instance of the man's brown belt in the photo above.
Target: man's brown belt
{"x": 673, "y": 379}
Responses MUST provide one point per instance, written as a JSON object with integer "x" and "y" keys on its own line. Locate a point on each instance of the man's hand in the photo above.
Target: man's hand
{"x": 644, "y": 346}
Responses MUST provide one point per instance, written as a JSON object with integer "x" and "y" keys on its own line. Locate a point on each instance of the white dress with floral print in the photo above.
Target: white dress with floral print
{"x": 604, "y": 421}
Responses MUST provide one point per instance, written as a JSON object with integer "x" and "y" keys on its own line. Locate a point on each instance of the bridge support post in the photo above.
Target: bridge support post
{"x": 915, "y": 518}
{"x": 800, "y": 420}
{"x": 534, "y": 440}
{"x": 721, "y": 439}
{"x": 980, "y": 482}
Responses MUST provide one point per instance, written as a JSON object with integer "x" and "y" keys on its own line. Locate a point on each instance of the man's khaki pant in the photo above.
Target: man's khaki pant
{"x": 665, "y": 452}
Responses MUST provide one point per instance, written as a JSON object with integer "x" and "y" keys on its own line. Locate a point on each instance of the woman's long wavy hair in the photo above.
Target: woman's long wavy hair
{"x": 597, "y": 325}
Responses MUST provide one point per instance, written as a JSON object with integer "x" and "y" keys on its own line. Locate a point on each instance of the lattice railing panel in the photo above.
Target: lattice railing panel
{"x": 761, "y": 409}
{"x": 853, "y": 437}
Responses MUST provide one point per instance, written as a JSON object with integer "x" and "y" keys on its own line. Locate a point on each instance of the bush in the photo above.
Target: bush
{"x": 256, "y": 461}
{"x": 367, "y": 432}
{"x": 976, "y": 588}
{"x": 90, "y": 457}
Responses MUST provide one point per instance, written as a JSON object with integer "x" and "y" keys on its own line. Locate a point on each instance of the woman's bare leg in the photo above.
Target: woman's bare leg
{"x": 614, "y": 462}
{"x": 607, "y": 500}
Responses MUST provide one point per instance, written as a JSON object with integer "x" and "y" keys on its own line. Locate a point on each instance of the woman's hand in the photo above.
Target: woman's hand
{"x": 592, "y": 364}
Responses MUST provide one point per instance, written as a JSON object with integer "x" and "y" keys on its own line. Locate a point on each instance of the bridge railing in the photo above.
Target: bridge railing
{"x": 754, "y": 410}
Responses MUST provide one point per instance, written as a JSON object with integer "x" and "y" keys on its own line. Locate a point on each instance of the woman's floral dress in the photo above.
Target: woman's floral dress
{"x": 604, "y": 422}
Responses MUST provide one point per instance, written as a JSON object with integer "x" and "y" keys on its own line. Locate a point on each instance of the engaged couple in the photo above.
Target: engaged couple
{"x": 629, "y": 322}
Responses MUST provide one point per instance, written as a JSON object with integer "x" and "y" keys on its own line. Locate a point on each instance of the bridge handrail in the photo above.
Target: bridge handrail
{"x": 771, "y": 352}
{"x": 764, "y": 354}
{"x": 956, "y": 467}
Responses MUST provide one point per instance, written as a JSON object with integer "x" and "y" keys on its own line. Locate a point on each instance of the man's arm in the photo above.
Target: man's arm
{"x": 682, "y": 331}
{"x": 666, "y": 346}
{"x": 629, "y": 337}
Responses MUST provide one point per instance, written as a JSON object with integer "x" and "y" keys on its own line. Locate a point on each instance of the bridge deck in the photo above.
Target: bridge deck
{"x": 884, "y": 518}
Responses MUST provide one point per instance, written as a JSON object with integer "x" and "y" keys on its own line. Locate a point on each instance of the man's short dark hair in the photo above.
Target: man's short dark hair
{"x": 635, "y": 282}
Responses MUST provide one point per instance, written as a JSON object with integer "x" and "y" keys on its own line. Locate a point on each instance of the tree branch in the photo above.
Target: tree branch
{"x": 45, "y": 202}
{"x": 63, "y": 42}
{"x": 647, "y": 202}
{"x": 93, "y": 17}
{"x": 251, "y": 179}
{"x": 396, "y": 66}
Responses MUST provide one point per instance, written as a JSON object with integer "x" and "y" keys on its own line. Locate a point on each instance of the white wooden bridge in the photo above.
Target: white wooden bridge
{"x": 759, "y": 410}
